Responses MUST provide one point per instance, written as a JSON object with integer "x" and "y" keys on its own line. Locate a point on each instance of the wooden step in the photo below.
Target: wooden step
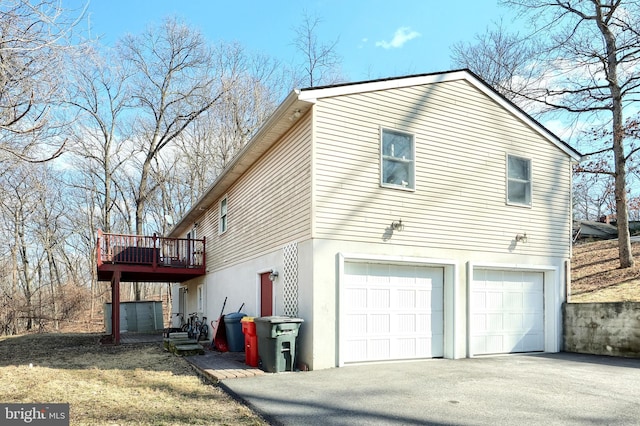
{"x": 170, "y": 344}
{"x": 189, "y": 349}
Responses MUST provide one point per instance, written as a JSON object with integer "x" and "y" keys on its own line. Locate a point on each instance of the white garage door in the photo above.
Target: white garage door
{"x": 507, "y": 311}
{"x": 391, "y": 312}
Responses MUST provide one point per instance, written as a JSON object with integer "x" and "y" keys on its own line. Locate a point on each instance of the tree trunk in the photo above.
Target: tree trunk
{"x": 622, "y": 212}
{"x": 141, "y": 202}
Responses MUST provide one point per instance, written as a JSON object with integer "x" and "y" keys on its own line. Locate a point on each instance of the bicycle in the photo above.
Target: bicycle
{"x": 196, "y": 328}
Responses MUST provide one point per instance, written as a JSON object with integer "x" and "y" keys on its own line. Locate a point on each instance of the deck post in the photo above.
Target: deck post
{"x": 98, "y": 249}
{"x": 115, "y": 307}
{"x": 155, "y": 252}
{"x": 204, "y": 251}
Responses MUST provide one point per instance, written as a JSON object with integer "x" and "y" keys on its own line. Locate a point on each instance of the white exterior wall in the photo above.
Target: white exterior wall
{"x": 457, "y": 266}
{"x": 268, "y": 207}
{"x": 462, "y": 138}
{"x": 240, "y": 284}
{"x": 456, "y": 218}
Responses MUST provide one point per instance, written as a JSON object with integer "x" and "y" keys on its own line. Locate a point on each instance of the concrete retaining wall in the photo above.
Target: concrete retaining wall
{"x": 602, "y": 328}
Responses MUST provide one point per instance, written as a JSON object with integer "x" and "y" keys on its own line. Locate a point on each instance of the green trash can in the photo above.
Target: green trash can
{"x": 277, "y": 342}
{"x": 233, "y": 327}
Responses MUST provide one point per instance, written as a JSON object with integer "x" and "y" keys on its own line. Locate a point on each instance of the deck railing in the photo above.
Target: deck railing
{"x": 150, "y": 250}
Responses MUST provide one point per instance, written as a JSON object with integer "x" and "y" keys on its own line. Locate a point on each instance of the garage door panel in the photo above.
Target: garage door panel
{"x": 479, "y": 321}
{"x": 357, "y": 272}
{"x": 356, "y": 324}
{"x": 512, "y": 301}
{"x": 531, "y": 321}
{"x": 534, "y": 303}
{"x": 379, "y": 349}
{"x": 494, "y": 301}
{"x": 478, "y": 301}
{"x": 406, "y": 298}
{"x": 515, "y": 321}
{"x": 424, "y": 300}
{"x": 378, "y": 273}
{"x": 532, "y": 342}
{"x": 495, "y": 322}
{"x": 515, "y": 341}
{"x": 379, "y": 298}
{"x": 437, "y": 295}
{"x": 378, "y": 323}
{"x": 357, "y": 348}
{"x": 406, "y": 346}
{"x": 356, "y": 298}
{"x": 403, "y": 312}
{"x": 406, "y": 323}
{"x": 506, "y": 311}
{"x": 397, "y": 271}
{"x": 423, "y": 324}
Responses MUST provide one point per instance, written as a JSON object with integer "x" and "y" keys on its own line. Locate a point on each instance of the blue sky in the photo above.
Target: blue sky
{"x": 375, "y": 38}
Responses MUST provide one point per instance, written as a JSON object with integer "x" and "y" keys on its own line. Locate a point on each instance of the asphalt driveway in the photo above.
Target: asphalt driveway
{"x": 560, "y": 389}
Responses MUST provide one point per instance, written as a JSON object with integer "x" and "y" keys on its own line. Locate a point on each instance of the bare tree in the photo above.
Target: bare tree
{"x": 320, "y": 61}
{"x": 184, "y": 172}
{"x": 33, "y": 49}
{"x": 21, "y": 214}
{"x": 102, "y": 97}
{"x": 175, "y": 81}
{"x": 593, "y": 195}
{"x": 500, "y": 57}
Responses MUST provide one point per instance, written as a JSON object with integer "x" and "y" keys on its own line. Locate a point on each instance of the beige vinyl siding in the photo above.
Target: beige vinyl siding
{"x": 462, "y": 138}
{"x": 269, "y": 206}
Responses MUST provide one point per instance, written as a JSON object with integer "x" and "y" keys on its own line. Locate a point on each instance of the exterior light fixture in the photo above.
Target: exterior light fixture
{"x": 397, "y": 225}
{"x": 273, "y": 275}
{"x": 521, "y": 238}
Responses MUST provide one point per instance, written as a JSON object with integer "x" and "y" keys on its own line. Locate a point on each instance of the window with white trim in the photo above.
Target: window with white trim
{"x": 397, "y": 163}
{"x": 222, "y": 220}
{"x": 518, "y": 180}
{"x": 200, "y": 296}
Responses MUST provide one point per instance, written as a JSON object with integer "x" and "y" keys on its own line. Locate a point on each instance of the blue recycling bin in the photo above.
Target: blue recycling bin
{"x": 233, "y": 327}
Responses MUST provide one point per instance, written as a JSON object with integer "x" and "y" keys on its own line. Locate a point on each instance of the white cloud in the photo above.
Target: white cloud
{"x": 401, "y": 36}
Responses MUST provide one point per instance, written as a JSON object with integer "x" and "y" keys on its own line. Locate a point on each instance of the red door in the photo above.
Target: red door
{"x": 266, "y": 295}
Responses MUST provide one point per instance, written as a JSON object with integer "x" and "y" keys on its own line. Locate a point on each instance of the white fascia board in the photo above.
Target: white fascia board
{"x": 312, "y": 94}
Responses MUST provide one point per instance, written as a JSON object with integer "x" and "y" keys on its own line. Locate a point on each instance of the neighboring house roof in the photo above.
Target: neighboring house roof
{"x": 592, "y": 229}
{"x": 300, "y": 101}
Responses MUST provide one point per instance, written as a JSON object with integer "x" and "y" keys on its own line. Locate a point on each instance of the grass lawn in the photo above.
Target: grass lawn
{"x": 112, "y": 385}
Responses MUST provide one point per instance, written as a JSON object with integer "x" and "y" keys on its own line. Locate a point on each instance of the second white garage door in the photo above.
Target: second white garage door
{"x": 391, "y": 312}
{"x": 507, "y": 311}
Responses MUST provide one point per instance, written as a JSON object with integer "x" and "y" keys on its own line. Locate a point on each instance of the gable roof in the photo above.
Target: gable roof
{"x": 300, "y": 101}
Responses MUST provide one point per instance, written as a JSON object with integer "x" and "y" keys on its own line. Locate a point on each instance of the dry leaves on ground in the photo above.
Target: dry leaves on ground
{"x": 596, "y": 275}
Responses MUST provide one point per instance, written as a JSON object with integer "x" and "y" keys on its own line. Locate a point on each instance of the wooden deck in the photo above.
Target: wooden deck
{"x": 140, "y": 258}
